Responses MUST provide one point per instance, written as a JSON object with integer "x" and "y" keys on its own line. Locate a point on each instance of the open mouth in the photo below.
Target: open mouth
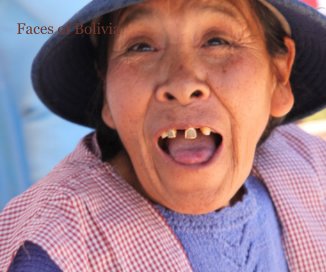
{"x": 190, "y": 146}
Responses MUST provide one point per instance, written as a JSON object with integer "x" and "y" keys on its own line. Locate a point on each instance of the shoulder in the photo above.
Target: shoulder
{"x": 290, "y": 138}
{"x": 80, "y": 175}
{"x": 291, "y": 154}
{"x": 292, "y": 164}
{"x": 57, "y": 212}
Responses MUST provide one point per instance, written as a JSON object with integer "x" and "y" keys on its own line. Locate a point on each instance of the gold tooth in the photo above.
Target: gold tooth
{"x": 164, "y": 135}
{"x": 206, "y": 131}
{"x": 190, "y": 134}
{"x": 172, "y": 133}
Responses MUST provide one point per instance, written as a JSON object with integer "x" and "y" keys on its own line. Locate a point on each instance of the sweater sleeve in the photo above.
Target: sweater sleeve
{"x": 32, "y": 258}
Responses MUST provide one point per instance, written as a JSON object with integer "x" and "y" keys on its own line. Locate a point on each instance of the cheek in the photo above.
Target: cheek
{"x": 127, "y": 99}
{"x": 243, "y": 86}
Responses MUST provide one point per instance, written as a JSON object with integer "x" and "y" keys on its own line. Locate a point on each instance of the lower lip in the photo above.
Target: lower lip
{"x": 212, "y": 160}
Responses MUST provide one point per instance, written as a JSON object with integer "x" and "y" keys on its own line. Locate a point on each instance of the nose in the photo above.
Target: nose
{"x": 183, "y": 87}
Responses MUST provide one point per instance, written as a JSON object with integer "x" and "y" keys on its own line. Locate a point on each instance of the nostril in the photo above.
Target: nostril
{"x": 183, "y": 96}
{"x": 196, "y": 94}
{"x": 169, "y": 96}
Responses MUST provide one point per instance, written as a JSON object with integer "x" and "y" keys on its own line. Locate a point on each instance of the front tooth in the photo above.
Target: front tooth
{"x": 172, "y": 133}
{"x": 190, "y": 133}
{"x": 164, "y": 135}
{"x": 206, "y": 131}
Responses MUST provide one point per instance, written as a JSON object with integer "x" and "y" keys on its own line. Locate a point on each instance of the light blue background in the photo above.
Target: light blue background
{"x": 32, "y": 140}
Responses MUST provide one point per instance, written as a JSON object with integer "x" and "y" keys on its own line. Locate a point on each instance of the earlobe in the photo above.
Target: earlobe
{"x": 282, "y": 97}
{"x": 282, "y": 101}
{"x": 107, "y": 116}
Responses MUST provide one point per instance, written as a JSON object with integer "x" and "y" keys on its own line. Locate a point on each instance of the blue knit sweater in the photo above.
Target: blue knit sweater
{"x": 243, "y": 237}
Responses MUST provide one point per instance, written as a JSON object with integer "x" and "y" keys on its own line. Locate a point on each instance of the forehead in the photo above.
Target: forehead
{"x": 236, "y": 9}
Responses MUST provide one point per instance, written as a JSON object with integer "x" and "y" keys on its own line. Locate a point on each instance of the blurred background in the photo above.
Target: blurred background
{"x": 316, "y": 124}
{"x": 33, "y": 140}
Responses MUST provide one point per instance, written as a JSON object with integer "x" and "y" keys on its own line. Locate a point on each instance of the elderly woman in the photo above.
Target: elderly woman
{"x": 186, "y": 170}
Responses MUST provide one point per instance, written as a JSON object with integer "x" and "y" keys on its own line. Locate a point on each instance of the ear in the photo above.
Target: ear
{"x": 107, "y": 116}
{"x": 282, "y": 97}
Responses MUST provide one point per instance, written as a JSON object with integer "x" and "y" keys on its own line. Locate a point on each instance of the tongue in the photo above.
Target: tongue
{"x": 195, "y": 151}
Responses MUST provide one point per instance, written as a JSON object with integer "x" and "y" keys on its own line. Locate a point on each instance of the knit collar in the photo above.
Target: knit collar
{"x": 227, "y": 218}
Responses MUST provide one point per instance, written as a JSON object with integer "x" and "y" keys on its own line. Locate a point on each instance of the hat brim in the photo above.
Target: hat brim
{"x": 65, "y": 78}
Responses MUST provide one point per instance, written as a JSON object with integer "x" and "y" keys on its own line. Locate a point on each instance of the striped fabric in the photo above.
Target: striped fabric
{"x": 88, "y": 219}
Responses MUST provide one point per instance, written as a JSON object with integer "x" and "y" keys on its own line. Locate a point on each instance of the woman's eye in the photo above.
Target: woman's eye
{"x": 216, "y": 42}
{"x": 141, "y": 47}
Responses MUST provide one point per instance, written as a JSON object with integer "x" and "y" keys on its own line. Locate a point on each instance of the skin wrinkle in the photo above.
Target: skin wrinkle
{"x": 152, "y": 165}
{"x": 199, "y": 71}
{"x": 136, "y": 183}
{"x": 234, "y": 147}
{"x": 141, "y": 13}
{"x": 128, "y": 16}
{"x": 204, "y": 6}
{"x": 232, "y": 132}
{"x": 233, "y": 120}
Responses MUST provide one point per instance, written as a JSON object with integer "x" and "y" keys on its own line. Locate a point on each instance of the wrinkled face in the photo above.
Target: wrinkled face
{"x": 190, "y": 88}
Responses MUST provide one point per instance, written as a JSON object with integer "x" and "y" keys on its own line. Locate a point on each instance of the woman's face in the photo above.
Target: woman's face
{"x": 192, "y": 67}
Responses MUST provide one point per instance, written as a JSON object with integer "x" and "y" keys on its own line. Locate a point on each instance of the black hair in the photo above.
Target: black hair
{"x": 108, "y": 139}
